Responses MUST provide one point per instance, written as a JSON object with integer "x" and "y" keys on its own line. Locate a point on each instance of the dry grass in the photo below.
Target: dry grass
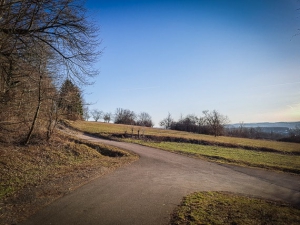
{"x": 229, "y": 209}
{"x": 280, "y": 156}
{"x": 33, "y": 176}
{"x": 105, "y": 129}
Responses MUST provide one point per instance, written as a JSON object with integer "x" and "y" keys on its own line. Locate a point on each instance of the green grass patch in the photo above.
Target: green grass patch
{"x": 226, "y": 208}
{"x": 275, "y": 161}
{"x": 106, "y": 130}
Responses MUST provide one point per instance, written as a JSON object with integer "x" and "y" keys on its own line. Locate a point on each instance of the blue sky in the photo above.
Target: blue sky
{"x": 241, "y": 58}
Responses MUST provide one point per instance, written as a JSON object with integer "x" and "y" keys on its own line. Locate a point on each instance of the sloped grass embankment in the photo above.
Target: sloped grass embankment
{"x": 33, "y": 176}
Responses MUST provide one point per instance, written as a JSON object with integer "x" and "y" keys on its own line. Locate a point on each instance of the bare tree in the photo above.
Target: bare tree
{"x": 215, "y": 121}
{"x": 61, "y": 25}
{"x": 53, "y": 113}
{"x": 107, "y": 117}
{"x": 167, "y": 122}
{"x": 144, "y": 119}
{"x": 187, "y": 123}
{"x": 124, "y": 116}
{"x": 294, "y": 135}
{"x": 96, "y": 114}
{"x": 55, "y": 34}
{"x": 86, "y": 113}
{"x": 24, "y": 96}
{"x": 201, "y": 124}
{"x": 37, "y": 111}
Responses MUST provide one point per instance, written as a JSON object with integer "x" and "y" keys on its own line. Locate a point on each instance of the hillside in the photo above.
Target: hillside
{"x": 33, "y": 176}
{"x": 271, "y": 155}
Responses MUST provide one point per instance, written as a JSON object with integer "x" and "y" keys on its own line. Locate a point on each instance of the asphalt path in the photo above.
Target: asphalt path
{"x": 148, "y": 190}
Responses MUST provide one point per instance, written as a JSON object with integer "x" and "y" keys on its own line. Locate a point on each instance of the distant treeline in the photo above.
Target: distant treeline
{"x": 210, "y": 123}
{"x": 121, "y": 116}
{"x": 270, "y": 133}
{"x": 214, "y": 123}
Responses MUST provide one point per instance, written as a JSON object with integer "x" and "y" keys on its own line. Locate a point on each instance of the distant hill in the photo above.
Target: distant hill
{"x": 290, "y": 125}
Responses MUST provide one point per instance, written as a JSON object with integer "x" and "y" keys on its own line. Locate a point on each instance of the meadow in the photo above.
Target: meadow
{"x": 108, "y": 129}
{"x": 280, "y": 156}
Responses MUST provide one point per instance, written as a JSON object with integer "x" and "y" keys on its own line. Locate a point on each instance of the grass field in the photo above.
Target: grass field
{"x": 228, "y": 209}
{"x": 281, "y": 160}
{"x": 238, "y": 156}
{"x": 106, "y": 129}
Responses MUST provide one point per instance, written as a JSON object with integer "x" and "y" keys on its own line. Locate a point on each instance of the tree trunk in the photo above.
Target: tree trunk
{"x": 36, "y": 114}
{"x": 52, "y": 121}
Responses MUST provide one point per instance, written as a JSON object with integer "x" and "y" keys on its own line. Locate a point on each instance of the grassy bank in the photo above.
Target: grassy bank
{"x": 226, "y": 208}
{"x": 34, "y": 175}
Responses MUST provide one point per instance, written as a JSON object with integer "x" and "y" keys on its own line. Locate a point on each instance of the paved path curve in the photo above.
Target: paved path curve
{"x": 147, "y": 191}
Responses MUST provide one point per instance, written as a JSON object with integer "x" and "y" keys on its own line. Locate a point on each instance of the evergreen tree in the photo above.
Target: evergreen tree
{"x": 70, "y": 101}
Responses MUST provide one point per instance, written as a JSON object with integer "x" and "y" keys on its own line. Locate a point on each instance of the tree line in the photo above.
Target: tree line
{"x": 211, "y": 122}
{"x": 214, "y": 123}
{"x": 121, "y": 116}
{"x": 293, "y": 135}
{"x": 46, "y": 49}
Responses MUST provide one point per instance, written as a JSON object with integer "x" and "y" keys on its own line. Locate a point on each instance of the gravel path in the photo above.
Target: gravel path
{"x": 147, "y": 191}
